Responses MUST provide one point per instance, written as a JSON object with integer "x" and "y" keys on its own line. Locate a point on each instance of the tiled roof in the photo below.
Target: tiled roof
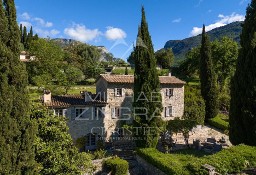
{"x": 64, "y": 101}
{"x": 130, "y": 79}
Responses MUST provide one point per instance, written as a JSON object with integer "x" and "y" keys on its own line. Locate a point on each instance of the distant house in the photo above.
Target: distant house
{"x": 25, "y": 57}
{"x": 99, "y": 115}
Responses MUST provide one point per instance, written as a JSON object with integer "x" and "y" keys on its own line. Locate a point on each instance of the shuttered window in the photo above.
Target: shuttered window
{"x": 169, "y": 92}
{"x": 118, "y": 92}
{"x": 168, "y": 111}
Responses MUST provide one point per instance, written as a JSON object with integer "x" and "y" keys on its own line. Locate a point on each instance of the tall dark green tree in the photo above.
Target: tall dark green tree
{"x": 29, "y": 39}
{"x": 208, "y": 78}
{"x": 21, "y": 33}
{"x": 24, "y": 35}
{"x": 16, "y": 130}
{"x": 243, "y": 88}
{"x": 146, "y": 82}
{"x": 3, "y": 25}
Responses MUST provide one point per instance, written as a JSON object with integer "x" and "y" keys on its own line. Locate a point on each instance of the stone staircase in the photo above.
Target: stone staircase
{"x": 126, "y": 151}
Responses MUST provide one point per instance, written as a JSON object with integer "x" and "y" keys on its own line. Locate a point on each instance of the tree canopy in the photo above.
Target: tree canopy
{"x": 242, "y": 118}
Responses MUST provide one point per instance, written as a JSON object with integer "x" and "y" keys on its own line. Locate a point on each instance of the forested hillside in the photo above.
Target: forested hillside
{"x": 181, "y": 47}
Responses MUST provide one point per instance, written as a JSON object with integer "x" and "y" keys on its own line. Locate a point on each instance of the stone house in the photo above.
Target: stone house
{"x": 25, "y": 57}
{"x": 100, "y": 115}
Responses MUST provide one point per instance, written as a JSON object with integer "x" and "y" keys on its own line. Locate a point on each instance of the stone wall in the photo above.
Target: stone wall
{"x": 176, "y": 101}
{"x": 85, "y": 124}
{"x": 150, "y": 169}
{"x": 125, "y": 104}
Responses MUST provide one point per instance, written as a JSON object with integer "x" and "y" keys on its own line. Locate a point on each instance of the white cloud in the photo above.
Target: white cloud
{"x": 223, "y": 20}
{"x": 46, "y": 33}
{"x": 176, "y": 20}
{"x": 81, "y": 33}
{"x": 115, "y": 33}
{"x": 42, "y": 27}
{"x": 25, "y": 23}
{"x": 25, "y": 16}
{"x": 54, "y": 32}
{"x": 41, "y": 22}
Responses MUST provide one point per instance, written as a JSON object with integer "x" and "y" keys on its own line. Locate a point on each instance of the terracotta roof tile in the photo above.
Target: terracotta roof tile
{"x": 64, "y": 101}
{"x": 130, "y": 79}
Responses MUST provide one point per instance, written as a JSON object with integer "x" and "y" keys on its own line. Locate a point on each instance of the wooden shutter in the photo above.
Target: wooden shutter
{"x": 170, "y": 110}
{"x": 115, "y": 92}
{"x": 122, "y": 92}
{"x": 167, "y": 113}
{"x": 167, "y": 92}
{"x": 171, "y": 92}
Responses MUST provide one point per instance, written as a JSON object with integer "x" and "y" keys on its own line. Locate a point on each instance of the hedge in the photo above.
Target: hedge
{"x": 219, "y": 123}
{"x": 117, "y": 166}
{"x": 234, "y": 159}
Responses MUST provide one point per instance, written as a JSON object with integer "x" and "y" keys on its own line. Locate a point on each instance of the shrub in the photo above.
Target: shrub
{"x": 219, "y": 123}
{"x": 117, "y": 166}
{"x": 194, "y": 105}
{"x": 80, "y": 143}
{"x": 99, "y": 154}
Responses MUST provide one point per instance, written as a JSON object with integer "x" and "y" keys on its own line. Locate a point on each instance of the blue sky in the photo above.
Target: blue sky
{"x": 114, "y": 23}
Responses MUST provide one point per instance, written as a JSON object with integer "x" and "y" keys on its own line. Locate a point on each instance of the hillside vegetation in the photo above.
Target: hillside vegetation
{"x": 181, "y": 47}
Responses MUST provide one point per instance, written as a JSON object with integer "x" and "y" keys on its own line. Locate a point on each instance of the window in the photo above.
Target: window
{"x": 118, "y": 92}
{"x": 79, "y": 111}
{"x": 168, "y": 111}
{"x": 91, "y": 139}
{"x": 115, "y": 112}
{"x": 169, "y": 92}
{"x": 58, "y": 112}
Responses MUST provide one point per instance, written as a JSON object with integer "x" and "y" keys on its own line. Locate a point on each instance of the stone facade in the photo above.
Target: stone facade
{"x": 114, "y": 102}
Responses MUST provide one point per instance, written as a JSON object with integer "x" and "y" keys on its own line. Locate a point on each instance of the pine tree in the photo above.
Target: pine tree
{"x": 243, "y": 92}
{"x": 208, "y": 79}
{"x": 146, "y": 83}
{"x": 16, "y": 130}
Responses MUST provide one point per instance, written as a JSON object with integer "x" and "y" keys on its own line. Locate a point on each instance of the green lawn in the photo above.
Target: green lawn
{"x": 234, "y": 159}
{"x": 76, "y": 89}
{"x": 35, "y": 93}
{"x": 193, "y": 81}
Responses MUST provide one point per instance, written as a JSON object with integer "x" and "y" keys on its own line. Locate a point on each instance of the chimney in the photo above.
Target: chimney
{"x": 170, "y": 74}
{"x": 47, "y": 96}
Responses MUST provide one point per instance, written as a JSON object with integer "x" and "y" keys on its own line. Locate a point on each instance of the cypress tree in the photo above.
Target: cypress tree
{"x": 24, "y": 36}
{"x": 29, "y": 38}
{"x": 243, "y": 87}
{"x": 126, "y": 71}
{"x": 21, "y": 33}
{"x": 3, "y": 25}
{"x": 146, "y": 82}
{"x": 208, "y": 79}
{"x": 16, "y": 130}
